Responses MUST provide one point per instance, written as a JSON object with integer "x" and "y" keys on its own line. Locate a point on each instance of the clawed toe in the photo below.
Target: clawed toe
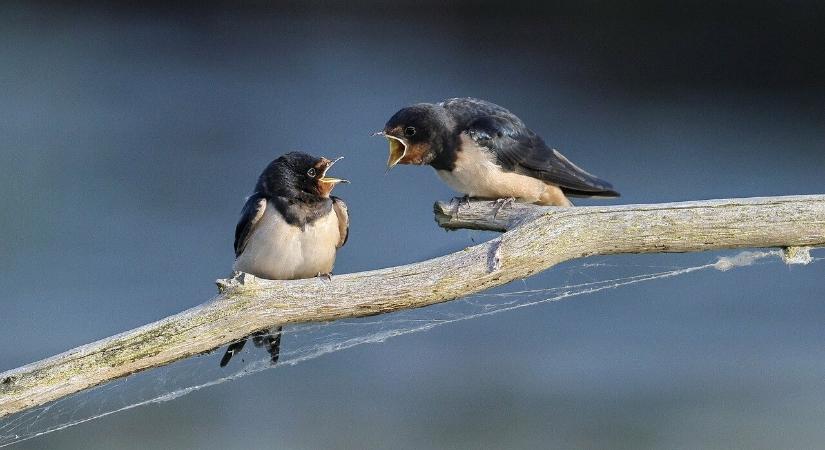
{"x": 327, "y": 276}
{"x": 501, "y": 203}
{"x": 462, "y": 201}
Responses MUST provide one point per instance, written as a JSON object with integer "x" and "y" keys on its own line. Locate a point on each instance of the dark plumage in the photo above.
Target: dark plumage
{"x": 483, "y": 150}
{"x": 290, "y": 227}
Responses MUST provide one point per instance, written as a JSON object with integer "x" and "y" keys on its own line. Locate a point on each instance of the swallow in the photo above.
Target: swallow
{"x": 482, "y": 150}
{"x": 290, "y": 228}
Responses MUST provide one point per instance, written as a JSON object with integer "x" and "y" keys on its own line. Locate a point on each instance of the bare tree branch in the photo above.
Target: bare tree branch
{"x": 539, "y": 238}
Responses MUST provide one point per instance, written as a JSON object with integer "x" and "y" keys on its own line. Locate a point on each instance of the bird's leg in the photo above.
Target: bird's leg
{"x": 327, "y": 275}
{"x": 462, "y": 201}
{"x": 501, "y": 203}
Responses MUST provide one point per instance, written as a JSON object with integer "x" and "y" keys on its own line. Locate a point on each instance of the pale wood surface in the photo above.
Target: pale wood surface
{"x": 539, "y": 238}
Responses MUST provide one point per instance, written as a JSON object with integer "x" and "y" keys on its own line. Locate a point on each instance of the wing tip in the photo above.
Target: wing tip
{"x": 598, "y": 191}
{"x": 601, "y": 188}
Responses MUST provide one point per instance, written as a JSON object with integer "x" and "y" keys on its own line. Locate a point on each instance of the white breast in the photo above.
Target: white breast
{"x": 477, "y": 175}
{"x": 280, "y": 251}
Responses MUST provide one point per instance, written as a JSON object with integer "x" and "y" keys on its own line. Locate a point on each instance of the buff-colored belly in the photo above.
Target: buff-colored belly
{"x": 280, "y": 251}
{"x": 477, "y": 175}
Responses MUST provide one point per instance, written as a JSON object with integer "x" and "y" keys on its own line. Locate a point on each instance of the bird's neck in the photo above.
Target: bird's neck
{"x": 444, "y": 151}
{"x": 443, "y": 160}
{"x": 299, "y": 212}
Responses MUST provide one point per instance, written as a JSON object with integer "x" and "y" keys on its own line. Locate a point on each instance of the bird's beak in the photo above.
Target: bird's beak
{"x": 398, "y": 149}
{"x": 325, "y": 179}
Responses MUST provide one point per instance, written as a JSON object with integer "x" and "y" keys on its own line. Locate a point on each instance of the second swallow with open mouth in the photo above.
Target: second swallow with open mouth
{"x": 483, "y": 150}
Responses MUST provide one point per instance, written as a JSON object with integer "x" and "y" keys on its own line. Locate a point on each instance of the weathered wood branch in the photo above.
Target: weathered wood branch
{"x": 546, "y": 236}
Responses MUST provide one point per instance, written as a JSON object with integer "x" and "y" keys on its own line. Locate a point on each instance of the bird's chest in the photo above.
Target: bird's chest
{"x": 278, "y": 250}
{"x": 477, "y": 175}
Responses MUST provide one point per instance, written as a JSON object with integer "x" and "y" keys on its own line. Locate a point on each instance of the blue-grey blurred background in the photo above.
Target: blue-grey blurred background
{"x": 130, "y": 135}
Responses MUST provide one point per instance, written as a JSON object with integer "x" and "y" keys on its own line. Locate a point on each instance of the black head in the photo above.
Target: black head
{"x": 417, "y": 134}
{"x": 298, "y": 175}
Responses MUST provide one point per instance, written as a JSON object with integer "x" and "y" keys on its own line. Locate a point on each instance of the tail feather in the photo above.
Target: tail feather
{"x": 269, "y": 339}
{"x": 258, "y": 338}
{"x": 273, "y": 345}
{"x": 233, "y": 348}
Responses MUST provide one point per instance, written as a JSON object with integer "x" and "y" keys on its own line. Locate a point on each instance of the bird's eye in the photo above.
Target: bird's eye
{"x": 409, "y": 131}
{"x": 311, "y": 172}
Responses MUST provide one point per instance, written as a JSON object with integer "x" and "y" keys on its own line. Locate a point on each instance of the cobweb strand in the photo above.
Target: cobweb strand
{"x": 309, "y": 341}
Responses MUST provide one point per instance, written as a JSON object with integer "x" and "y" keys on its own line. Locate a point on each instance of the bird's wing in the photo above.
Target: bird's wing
{"x": 520, "y": 150}
{"x": 343, "y": 220}
{"x": 251, "y": 214}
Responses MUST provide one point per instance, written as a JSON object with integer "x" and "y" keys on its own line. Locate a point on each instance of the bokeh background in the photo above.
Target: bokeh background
{"x": 130, "y": 135}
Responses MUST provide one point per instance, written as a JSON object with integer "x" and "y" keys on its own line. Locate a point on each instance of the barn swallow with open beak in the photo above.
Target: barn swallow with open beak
{"x": 290, "y": 228}
{"x": 483, "y": 150}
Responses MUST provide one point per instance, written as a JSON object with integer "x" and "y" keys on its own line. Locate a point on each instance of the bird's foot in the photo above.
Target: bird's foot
{"x": 501, "y": 203}
{"x": 324, "y": 276}
{"x": 462, "y": 201}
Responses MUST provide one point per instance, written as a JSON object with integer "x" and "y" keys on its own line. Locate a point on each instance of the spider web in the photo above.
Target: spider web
{"x": 308, "y": 341}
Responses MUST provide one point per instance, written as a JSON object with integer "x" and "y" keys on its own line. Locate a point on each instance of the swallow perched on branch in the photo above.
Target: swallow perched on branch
{"x": 290, "y": 228}
{"x": 483, "y": 150}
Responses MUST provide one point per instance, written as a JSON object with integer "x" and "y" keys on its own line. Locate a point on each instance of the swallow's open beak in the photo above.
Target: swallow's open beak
{"x": 325, "y": 179}
{"x": 398, "y": 148}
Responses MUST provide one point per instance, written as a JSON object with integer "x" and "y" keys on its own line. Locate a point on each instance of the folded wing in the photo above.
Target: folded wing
{"x": 251, "y": 214}
{"x": 518, "y": 149}
{"x": 343, "y": 220}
